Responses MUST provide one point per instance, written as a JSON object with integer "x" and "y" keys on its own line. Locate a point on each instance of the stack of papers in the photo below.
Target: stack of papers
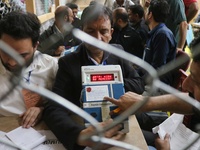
{"x": 26, "y": 138}
{"x": 22, "y": 138}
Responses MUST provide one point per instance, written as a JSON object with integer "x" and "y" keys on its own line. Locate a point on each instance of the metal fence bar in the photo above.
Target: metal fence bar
{"x": 154, "y": 84}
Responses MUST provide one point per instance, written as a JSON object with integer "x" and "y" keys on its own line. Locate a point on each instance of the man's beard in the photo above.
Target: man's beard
{"x": 17, "y": 69}
{"x": 146, "y": 22}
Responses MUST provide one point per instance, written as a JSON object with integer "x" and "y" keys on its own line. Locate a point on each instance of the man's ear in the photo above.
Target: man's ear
{"x": 150, "y": 15}
{"x": 119, "y": 21}
{"x": 66, "y": 19}
{"x": 112, "y": 30}
{"x": 35, "y": 46}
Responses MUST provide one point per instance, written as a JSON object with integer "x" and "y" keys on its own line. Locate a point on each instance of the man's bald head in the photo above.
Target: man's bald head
{"x": 61, "y": 12}
{"x": 120, "y": 13}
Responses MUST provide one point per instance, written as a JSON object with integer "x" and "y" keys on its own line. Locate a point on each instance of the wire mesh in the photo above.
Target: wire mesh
{"x": 16, "y": 80}
{"x": 156, "y": 83}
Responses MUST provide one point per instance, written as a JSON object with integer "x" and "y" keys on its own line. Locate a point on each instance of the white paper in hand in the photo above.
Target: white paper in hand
{"x": 26, "y": 138}
{"x": 168, "y": 126}
{"x": 180, "y": 135}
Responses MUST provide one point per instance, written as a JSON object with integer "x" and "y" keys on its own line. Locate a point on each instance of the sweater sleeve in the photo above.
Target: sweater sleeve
{"x": 60, "y": 123}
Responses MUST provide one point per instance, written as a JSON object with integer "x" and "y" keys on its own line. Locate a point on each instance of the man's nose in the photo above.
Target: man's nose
{"x": 187, "y": 84}
{"x": 12, "y": 62}
{"x": 98, "y": 36}
{"x": 75, "y": 14}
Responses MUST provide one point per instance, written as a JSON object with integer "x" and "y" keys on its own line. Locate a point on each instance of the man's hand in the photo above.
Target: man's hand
{"x": 59, "y": 50}
{"x": 113, "y": 133}
{"x": 163, "y": 144}
{"x": 126, "y": 100}
{"x": 31, "y": 116}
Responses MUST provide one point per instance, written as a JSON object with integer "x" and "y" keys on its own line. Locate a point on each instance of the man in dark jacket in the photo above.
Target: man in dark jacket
{"x": 161, "y": 44}
{"x": 58, "y": 37}
{"x": 136, "y": 18}
{"x": 125, "y": 35}
{"x": 68, "y": 80}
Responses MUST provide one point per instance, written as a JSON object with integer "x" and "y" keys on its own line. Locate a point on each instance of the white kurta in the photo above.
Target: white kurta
{"x": 41, "y": 72}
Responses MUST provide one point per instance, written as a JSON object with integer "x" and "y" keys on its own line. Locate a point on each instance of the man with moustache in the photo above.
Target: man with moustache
{"x": 96, "y": 21}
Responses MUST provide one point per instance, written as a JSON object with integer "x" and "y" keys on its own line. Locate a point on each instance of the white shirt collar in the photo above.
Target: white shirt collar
{"x": 58, "y": 29}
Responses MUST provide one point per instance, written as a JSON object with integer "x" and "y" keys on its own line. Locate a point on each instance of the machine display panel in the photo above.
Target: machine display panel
{"x": 102, "y": 77}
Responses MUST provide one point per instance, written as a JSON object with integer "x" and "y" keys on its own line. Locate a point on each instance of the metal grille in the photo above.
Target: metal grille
{"x": 154, "y": 83}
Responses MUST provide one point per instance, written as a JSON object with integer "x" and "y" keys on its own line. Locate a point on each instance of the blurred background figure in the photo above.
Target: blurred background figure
{"x": 191, "y": 9}
{"x": 177, "y": 23}
{"x": 109, "y": 3}
{"x": 74, "y": 7}
{"x": 58, "y": 37}
{"x": 145, "y": 4}
{"x": 125, "y": 35}
{"x": 161, "y": 44}
{"x": 136, "y": 2}
{"x": 122, "y": 3}
{"x": 137, "y": 21}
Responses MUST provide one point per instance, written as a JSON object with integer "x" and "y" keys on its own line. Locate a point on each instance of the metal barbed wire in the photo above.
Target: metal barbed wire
{"x": 153, "y": 74}
{"x": 98, "y": 137}
{"x": 155, "y": 83}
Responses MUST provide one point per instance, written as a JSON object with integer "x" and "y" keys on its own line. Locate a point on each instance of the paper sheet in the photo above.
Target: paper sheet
{"x": 168, "y": 126}
{"x": 3, "y": 146}
{"x": 95, "y": 93}
{"x": 51, "y": 142}
{"x": 28, "y": 139}
{"x": 180, "y": 135}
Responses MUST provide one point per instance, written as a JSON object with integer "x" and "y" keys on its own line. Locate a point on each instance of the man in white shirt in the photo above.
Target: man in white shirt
{"x": 122, "y": 3}
{"x": 20, "y": 31}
